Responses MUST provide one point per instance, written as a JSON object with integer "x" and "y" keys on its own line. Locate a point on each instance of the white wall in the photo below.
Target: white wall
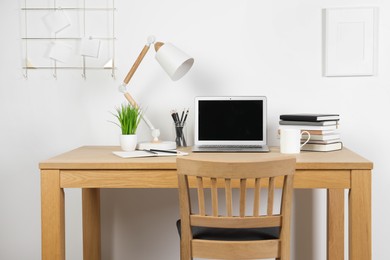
{"x": 241, "y": 47}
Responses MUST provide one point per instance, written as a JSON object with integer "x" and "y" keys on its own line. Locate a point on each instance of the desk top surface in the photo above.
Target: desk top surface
{"x": 101, "y": 157}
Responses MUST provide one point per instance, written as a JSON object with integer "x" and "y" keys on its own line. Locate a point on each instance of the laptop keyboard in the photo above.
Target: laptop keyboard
{"x": 231, "y": 146}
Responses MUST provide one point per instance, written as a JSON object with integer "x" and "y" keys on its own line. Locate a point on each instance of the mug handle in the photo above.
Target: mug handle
{"x": 308, "y": 138}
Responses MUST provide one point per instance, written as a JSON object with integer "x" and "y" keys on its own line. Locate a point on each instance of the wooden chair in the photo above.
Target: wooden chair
{"x": 234, "y": 236}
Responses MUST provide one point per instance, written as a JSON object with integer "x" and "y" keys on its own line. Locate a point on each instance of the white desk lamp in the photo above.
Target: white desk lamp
{"x": 176, "y": 64}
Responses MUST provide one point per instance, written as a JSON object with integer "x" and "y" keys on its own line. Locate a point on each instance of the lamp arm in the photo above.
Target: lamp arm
{"x": 136, "y": 64}
{"x": 130, "y": 99}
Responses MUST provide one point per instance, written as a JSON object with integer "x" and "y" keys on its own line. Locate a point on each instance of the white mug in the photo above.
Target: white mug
{"x": 290, "y": 140}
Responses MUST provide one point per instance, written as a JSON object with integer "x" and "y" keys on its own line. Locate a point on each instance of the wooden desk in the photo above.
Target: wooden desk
{"x": 92, "y": 168}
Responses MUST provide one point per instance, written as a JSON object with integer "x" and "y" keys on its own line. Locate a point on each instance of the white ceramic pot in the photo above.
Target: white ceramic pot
{"x": 128, "y": 142}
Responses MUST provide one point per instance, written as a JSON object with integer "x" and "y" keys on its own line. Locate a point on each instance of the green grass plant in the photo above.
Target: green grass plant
{"x": 129, "y": 118}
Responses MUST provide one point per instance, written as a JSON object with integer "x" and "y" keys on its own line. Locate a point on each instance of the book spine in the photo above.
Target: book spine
{"x": 309, "y": 118}
{"x": 319, "y": 123}
{"x": 322, "y": 147}
{"x": 298, "y": 118}
{"x": 310, "y": 127}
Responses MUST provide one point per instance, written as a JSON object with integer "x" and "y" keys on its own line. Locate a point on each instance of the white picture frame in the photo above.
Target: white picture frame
{"x": 350, "y": 41}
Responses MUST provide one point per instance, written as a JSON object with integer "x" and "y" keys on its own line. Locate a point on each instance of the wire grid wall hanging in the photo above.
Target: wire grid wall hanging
{"x": 68, "y": 35}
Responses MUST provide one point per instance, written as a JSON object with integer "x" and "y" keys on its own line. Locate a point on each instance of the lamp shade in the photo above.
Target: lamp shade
{"x": 175, "y": 62}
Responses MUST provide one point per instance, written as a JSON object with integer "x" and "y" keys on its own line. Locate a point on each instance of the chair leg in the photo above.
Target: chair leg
{"x": 185, "y": 251}
{"x": 283, "y": 257}
{"x": 184, "y": 256}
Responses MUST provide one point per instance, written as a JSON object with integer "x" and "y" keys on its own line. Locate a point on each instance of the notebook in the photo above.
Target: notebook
{"x": 230, "y": 124}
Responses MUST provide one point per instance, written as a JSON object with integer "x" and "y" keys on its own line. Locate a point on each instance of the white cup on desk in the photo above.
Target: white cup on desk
{"x": 290, "y": 140}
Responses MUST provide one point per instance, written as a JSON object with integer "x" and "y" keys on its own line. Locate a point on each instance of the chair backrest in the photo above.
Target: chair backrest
{"x": 214, "y": 175}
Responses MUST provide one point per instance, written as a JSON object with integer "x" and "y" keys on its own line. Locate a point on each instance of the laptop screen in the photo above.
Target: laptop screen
{"x": 230, "y": 120}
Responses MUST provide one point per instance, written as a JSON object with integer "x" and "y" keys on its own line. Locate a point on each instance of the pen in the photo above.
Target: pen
{"x": 177, "y": 116}
{"x": 173, "y": 116}
{"x": 185, "y": 117}
{"x": 149, "y": 151}
{"x": 182, "y": 115}
{"x": 164, "y": 151}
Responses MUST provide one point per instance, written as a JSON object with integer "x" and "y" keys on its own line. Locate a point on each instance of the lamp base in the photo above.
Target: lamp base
{"x": 165, "y": 145}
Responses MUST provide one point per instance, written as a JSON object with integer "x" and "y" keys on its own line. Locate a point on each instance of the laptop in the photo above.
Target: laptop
{"x": 231, "y": 124}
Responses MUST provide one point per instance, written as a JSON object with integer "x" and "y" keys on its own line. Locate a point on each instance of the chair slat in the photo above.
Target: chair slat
{"x": 202, "y": 210}
{"x": 242, "y": 197}
{"x": 228, "y": 197}
{"x": 271, "y": 188}
{"x": 214, "y": 197}
{"x": 256, "y": 199}
{"x": 236, "y": 249}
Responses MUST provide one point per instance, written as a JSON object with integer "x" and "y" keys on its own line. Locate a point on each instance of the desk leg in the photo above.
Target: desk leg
{"x": 53, "y": 216}
{"x": 360, "y": 215}
{"x": 91, "y": 224}
{"x": 335, "y": 238}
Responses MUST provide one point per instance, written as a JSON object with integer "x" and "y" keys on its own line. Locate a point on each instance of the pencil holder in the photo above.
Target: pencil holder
{"x": 180, "y": 133}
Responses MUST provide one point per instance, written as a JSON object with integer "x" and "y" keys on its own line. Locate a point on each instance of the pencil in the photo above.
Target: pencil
{"x": 185, "y": 117}
{"x": 164, "y": 151}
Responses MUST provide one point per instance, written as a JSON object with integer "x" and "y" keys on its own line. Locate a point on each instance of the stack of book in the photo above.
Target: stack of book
{"x": 323, "y": 129}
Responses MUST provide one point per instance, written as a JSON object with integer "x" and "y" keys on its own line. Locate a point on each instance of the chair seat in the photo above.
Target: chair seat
{"x": 232, "y": 234}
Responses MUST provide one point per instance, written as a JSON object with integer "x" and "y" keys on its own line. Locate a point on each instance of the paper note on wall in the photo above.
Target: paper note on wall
{"x": 56, "y": 21}
{"x": 90, "y": 47}
{"x": 60, "y": 51}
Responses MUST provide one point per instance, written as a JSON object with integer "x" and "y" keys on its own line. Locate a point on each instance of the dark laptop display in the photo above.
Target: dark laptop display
{"x": 230, "y": 122}
{"x": 236, "y": 120}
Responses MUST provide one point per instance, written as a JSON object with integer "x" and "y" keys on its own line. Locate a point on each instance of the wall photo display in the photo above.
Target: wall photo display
{"x": 68, "y": 35}
{"x": 350, "y": 41}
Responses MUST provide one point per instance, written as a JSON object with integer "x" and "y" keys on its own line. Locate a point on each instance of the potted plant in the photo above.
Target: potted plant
{"x": 129, "y": 118}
